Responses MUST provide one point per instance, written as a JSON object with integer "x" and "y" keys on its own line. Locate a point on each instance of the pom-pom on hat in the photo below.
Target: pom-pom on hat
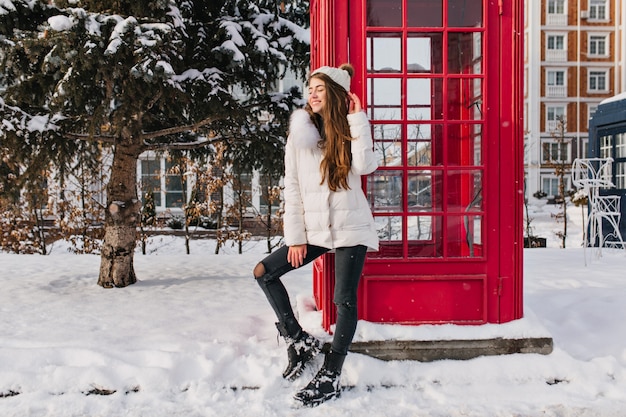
{"x": 341, "y": 75}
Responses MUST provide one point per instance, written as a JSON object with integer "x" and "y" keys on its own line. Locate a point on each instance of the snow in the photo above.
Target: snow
{"x": 621, "y": 96}
{"x": 6, "y": 6}
{"x": 196, "y": 337}
{"x": 60, "y": 23}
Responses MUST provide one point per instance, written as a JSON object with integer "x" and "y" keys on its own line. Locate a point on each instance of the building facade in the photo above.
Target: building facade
{"x": 574, "y": 58}
{"x": 155, "y": 174}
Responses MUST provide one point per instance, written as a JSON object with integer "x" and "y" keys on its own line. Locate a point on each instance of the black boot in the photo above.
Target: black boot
{"x": 300, "y": 351}
{"x": 325, "y": 385}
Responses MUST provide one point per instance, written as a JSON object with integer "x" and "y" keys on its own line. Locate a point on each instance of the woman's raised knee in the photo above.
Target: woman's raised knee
{"x": 259, "y": 270}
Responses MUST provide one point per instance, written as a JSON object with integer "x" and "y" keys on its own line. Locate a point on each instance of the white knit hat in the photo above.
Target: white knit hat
{"x": 338, "y": 75}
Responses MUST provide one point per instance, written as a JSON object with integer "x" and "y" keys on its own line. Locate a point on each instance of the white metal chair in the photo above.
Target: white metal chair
{"x": 608, "y": 208}
{"x": 592, "y": 174}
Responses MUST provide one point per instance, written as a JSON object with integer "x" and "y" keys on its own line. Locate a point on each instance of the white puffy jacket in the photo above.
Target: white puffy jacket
{"x": 313, "y": 213}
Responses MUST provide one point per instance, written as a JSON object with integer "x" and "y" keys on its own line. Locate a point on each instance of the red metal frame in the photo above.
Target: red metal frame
{"x": 452, "y": 287}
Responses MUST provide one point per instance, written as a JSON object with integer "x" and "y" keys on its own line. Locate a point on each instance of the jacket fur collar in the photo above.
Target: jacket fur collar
{"x": 302, "y": 131}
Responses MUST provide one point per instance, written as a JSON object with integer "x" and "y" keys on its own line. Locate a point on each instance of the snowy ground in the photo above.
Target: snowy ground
{"x": 195, "y": 337}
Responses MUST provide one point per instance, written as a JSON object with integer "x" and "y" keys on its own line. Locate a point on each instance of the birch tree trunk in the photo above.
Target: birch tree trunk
{"x": 122, "y": 216}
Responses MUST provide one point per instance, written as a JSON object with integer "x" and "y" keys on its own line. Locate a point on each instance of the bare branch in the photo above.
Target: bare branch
{"x": 183, "y": 145}
{"x": 154, "y": 99}
{"x": 180, "y": 129}
{"x": 108, "y": 139}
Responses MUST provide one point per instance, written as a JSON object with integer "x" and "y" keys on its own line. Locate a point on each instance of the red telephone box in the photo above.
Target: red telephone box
{"x": 442, "y": 83}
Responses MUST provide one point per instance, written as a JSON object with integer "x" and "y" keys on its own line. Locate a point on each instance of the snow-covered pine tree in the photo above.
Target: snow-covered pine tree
{"x": 139, "y": 75}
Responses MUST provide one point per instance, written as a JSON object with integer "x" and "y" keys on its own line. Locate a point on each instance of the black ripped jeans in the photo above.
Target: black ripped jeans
{"x": 348, "y": 267}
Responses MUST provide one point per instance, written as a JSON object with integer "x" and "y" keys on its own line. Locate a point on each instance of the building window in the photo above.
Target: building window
{"x": 591, "y": 110}
{"x": 555, "y": 152}
{"x": 597, "y": 81}
{"x": 556, "y": 42}
{"x": 550, "y": 186}
{"x": 598, "y": 45}
{"x": 242, "y": 190}
{"x": 556, "y": 48}
{"x": 598, "y": 10}
{"x": 166, "y": 187}
{"x": 554, "y": 114}
{"x": 556, "y": 13}
{"x": 173, "y": 187}
{"x": 556, "y": 83}
{"x": 269, "y": 194}
{"x": 151, "y": 180}
{"x": 556, "y": 6}
{"x": 584, "y": 148}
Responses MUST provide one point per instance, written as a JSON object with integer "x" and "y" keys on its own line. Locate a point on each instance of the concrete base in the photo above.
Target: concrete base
{"x": 432, "y": 350}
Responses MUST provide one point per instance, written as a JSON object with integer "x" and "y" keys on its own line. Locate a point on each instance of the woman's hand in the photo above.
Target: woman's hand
{"x": 354, "y": 106}
{"x": 296, "y": 255}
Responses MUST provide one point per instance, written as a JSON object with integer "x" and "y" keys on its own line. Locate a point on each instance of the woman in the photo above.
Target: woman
{"x": 328, "y": 149}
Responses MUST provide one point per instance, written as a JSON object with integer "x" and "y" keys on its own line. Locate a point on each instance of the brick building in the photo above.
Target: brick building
{"x": 574, "y": 58}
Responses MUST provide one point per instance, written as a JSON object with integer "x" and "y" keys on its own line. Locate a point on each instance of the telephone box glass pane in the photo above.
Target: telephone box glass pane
{"x": 424, "y": 99}
{"x": 384, "y": 13}
{"x": 465, "y": 99}
{"x": 384, "y": 191}
{"x": 424, "y": 144}
{"x": 464, "y": 238}
{"x": 465, "y": 13}
{"x": 384, "y": 52}
{"x": 464, "y": 192}
{"x": 387, "y": 144}
{"x": 424, "y": 53}
{"x": 465, "y": 144}
{"x": 424, "y": 236}
{"x": 389, "y": 228}
{"x": 424, "y": 13}
{"x": 424, "y": 191}
{"x": 620, "y": 145}
{"x": 606, "y": 146}
{"x": 385, "y": 99}
{"x": 419, "y": 145}
{"x": 465, "y": 53}
{"x": 620, "y": 175}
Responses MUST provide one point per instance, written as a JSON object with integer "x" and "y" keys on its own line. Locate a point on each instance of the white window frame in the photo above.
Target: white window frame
{"x": 553, "y": 143}
{"x": 164, "y": 187}
{"x": 554, "y": 182}
{"x": 556, "y": 12}
{"x": 591, "y": 109}
{"x": 551, "y": 123}
{"x": 597, "y": 41}
{"x": 553, "y": 53}
{"x": 595, "y": 6}
{"x": 584, "y": 148}
{"x": 594, "y": 74}
{"x": 556, "y": 36}
{"x": 555, "y": 81}
{"x": 554, "y": 86}
{"x": 550, "y": 3}
{"x": 619, "y": 167}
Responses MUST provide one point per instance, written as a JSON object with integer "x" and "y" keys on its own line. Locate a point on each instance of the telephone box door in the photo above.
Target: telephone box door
{"x": 441, "y": 83}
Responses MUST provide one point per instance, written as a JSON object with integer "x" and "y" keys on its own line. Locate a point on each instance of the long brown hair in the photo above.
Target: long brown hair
{"x": 333, "y": 125}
